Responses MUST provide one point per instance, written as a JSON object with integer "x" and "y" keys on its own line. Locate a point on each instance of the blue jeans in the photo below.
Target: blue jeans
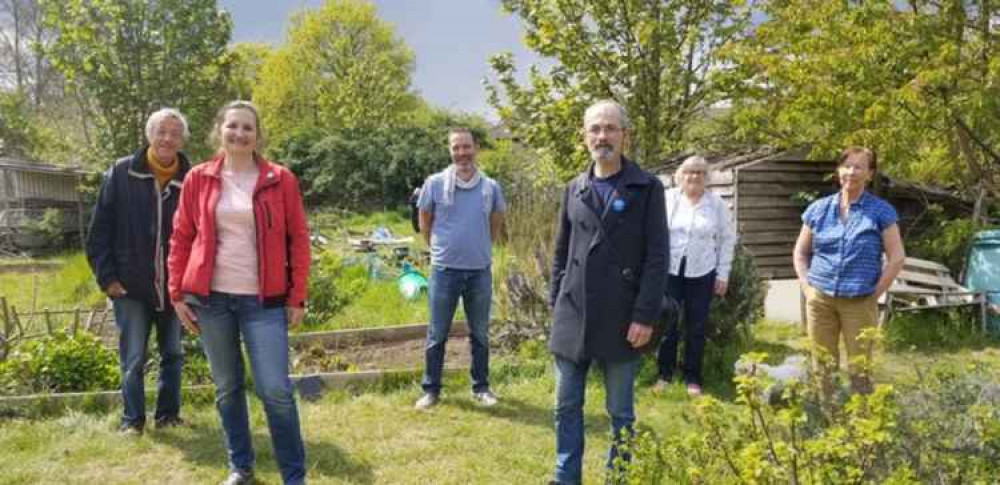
{"x": 225, "y": 321}
{"x": 571, "y": 385}
{"x": 475, "y": 288}
{"x": 695, "y": 296}
{"x": 135, "y": 320}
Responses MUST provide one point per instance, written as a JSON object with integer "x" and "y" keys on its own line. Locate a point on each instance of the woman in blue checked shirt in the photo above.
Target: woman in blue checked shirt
{"x": 838, "y": 260}
{"x": 701, "y": 255}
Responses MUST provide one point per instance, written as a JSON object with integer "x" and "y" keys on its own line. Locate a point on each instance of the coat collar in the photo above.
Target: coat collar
{"x": 138, "y": 166}
{"x": 631, "y": 176}
{"x": 269, "y": 174}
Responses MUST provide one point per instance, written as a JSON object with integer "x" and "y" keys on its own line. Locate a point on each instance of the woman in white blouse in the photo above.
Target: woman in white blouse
{"x": 701, "y": 254}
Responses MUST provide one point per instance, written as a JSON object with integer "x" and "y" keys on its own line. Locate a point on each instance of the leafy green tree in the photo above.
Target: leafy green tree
{"x": 341, "y": 67}
{"x": 654, "y": 57}
{"x": 362, "y": 168}
{"x": 131, "y": 57}
{"x": 915, "y": 80}
{"x": 247, "y": 58}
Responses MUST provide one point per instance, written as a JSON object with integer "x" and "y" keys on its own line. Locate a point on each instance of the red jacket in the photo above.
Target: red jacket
{"x": 282, "y": 234}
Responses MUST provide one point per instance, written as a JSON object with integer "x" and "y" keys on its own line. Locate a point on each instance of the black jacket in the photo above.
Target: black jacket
{"x": 130, "y": 228}
{"x": 604, "y": 280}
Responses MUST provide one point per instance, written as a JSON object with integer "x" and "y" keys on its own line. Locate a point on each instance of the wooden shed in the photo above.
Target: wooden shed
{"x": 27, "y": 190}
{"x": 767, "y": 190}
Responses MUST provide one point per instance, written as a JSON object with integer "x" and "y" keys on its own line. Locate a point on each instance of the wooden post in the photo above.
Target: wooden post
{"x": 76, "y": 321}
{"x": 7, "y": 327}
{"x": 48, "y": 320}
{"x": 16, "y": 319}
{"x": 81, "y": 213}
{"x": 88, "y": 325}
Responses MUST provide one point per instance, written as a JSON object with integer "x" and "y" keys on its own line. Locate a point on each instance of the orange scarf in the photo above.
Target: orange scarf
{"x": 162, "y": 171}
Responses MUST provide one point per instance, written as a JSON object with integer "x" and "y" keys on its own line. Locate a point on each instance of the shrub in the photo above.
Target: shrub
{"x": 943, "y": 240}
{"x": 332, "y": 285}
{"x": 945, "y": 428}
{"x": 60, "y": 363}
{"x": 935, "y": 329}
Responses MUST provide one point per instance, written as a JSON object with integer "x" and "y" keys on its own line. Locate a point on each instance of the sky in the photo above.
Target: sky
{"x": 452, "y": 40}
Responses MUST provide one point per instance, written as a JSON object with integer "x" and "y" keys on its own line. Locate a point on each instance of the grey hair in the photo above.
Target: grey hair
{"x": 159, "y": 115}
{"x": 694, "y": 162}
{"x": 606, "y": 104}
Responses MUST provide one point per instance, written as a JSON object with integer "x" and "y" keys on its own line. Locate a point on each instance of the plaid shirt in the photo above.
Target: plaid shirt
{"x": 847, "y": 255}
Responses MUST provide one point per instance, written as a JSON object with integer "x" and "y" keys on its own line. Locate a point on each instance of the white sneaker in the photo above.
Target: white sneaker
{"x": 485, "y": 398}
{"x": 426, "y": 401}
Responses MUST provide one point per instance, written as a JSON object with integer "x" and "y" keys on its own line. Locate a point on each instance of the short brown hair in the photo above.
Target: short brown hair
{"x": 851, "y": 152}
{"x": 461, "y": 130}
{"x": 215, "y": 138}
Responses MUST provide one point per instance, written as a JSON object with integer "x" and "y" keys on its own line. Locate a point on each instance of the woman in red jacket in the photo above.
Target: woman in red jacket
{"x": 239, "y": 260}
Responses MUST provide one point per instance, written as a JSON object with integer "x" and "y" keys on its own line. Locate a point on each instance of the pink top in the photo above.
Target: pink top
{"x": 236, "y": 247}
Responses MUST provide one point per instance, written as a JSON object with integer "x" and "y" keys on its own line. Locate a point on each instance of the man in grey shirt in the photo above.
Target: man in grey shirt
{"x": 461, "y": 214}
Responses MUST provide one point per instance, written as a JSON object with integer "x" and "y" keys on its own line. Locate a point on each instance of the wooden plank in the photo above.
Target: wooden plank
{"x": 928, "y": 280}
{"x": 758, "y": 251}
{"x": 775, "y": 260}
{"x": 925, "y": 264}
{"x": 769, "y": 202}
{"x": 765, "y": 188}
{"x": 784, "y": 176}
{"x": 768, "y": 237}
{"x": 807, "y": 167}
{"x": 774, "y": 225}
{"x": 780, "y": 213}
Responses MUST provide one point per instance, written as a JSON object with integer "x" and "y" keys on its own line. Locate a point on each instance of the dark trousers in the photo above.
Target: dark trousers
{"x": 695, "y": 297}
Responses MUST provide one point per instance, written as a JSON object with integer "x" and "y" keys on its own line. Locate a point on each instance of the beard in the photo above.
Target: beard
{"x": 601, "y": 152}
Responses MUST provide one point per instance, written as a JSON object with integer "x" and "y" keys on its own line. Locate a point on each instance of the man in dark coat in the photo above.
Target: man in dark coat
{"x": 127, "y": 250}
{"x": 608, "y": 280}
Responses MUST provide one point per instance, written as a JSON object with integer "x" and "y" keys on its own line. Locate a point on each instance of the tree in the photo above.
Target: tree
{"x": 21, "y": 34}
{"x": 372, "y": 168}
{"x": 248, "y": 57}
{"x": 131, "y": 57}
{"x": 656, "y": 58}
{"x": 915, "y": 80}
{"x": 341, "y": 67}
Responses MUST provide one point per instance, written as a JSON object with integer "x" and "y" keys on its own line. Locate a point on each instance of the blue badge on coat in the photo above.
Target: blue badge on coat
{"x": 618, "y": 205}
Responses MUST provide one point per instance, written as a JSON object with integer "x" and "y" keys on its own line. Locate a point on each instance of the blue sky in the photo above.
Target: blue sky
{"x": 452, "y": 40}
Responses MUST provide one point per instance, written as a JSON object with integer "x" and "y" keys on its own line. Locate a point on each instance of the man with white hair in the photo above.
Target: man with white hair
{"x": 127, "y": 250}
{"x": 608, "y": 280}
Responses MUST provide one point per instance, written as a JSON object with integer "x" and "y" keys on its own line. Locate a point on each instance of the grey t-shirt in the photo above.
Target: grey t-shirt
{"x": 460, "y": 232}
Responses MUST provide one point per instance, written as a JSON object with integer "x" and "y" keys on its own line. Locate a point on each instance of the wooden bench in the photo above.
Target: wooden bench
{"x": 924, "y": 284}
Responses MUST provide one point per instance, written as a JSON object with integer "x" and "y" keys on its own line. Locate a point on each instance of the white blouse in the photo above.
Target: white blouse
{"x": 701, "y": 232}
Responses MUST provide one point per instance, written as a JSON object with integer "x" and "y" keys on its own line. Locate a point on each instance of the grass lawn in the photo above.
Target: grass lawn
{"x": 374, "y": 436}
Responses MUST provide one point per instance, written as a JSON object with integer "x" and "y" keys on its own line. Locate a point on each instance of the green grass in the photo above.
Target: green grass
{"x": 66, "y": 288}
{"x": 381, "y": 305}
{"x": 373, "y": 435}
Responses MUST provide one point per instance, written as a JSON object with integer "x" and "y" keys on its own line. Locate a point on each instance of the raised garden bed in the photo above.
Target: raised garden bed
{"x": 320, "y": 361}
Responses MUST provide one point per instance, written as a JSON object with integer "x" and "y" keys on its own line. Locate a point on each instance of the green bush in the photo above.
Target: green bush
{"x": 60, "y": 363}
{"x": 943, "y": 240}
{"x": 945, "y": 428}
{"x": 332, "y": 285}
{"x": 935, "y": 329}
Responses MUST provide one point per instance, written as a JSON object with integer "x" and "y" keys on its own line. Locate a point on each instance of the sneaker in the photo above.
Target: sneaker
{"x": 485, "y": 398}
{"x": 238, "y": 477}
{"x": 130, "y": 429}
{"x": 169, "y": 422}
{"x": 427, "y": 401}
{"x": 694, "y": 390}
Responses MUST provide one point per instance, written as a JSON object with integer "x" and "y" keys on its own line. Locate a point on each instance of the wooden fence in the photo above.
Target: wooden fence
{"x": 19, "y": 326}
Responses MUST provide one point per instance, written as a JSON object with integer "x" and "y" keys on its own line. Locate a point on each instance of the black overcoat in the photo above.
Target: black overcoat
{"x": 602, "y": 280}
